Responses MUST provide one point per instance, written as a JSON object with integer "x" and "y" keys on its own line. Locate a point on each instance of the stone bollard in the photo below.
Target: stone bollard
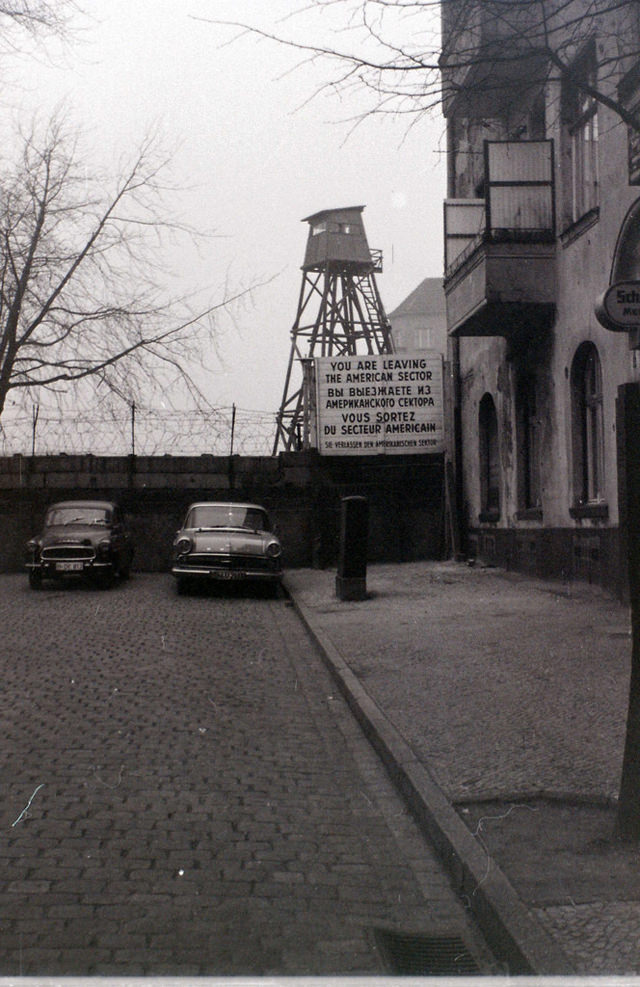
{"x": 351, "y": 580}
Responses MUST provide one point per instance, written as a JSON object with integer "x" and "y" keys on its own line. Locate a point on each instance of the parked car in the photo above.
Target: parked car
{"x": 81, "y": 538}
{"x": 226, "y": 541}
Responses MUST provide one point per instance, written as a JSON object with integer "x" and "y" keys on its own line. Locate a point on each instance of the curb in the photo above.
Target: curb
{"x": 513, "y": 934}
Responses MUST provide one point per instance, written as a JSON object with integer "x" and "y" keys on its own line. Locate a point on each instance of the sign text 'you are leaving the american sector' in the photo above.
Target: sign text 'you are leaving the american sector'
{"x": 380, "y": 403}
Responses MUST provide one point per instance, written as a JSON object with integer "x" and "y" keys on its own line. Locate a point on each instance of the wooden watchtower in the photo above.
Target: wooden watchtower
{"x": 339, "y": 312}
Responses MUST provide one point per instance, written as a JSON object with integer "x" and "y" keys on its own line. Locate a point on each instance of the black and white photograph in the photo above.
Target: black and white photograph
{"x": 319, "y": 491}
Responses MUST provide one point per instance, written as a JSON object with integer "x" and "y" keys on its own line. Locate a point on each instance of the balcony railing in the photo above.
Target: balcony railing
{"x": 499, "y": 249}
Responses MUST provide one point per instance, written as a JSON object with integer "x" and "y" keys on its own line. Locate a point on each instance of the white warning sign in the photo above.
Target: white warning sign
{"x": 380, "y": 403}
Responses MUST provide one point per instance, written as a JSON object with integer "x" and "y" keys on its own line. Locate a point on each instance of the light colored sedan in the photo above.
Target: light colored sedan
{"x": 226, "y": 541}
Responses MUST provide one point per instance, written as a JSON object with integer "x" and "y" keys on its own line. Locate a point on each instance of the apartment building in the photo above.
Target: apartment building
{"x": 542, "y": 217}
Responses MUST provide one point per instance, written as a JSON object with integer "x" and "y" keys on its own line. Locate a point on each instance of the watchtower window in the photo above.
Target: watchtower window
{"x": 325, "y": 227}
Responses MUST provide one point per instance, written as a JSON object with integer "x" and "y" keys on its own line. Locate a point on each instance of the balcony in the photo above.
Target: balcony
{"x": 500, "y": 250}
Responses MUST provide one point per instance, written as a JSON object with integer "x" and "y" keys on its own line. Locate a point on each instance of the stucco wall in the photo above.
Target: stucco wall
{"x": 559, "y": 541}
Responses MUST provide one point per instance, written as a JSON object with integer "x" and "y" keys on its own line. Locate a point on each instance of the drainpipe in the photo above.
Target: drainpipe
{"x": 456, "y": 389}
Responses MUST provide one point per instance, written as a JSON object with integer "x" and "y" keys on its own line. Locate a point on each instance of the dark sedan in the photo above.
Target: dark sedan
{"x": 81, "y": 538}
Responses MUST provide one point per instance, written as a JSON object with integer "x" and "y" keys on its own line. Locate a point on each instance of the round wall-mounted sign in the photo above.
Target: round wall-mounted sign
{"x": 618, "y": 309}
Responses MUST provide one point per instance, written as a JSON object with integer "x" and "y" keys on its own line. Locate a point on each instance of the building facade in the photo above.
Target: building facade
{"x": 542, "y": 213}
{"x": 419, "y": 322}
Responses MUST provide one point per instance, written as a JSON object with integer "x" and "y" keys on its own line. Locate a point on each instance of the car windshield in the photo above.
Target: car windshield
{"x": 78, "y": 515}
{"x": 227, "y": 516}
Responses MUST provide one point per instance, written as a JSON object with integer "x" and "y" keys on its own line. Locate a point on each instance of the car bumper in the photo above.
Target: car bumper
{"x": 56, "y": 568}
{"x": 218, "y": 572}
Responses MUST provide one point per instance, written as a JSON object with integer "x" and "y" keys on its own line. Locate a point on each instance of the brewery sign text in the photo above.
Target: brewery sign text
{"x": 618, "y": 308}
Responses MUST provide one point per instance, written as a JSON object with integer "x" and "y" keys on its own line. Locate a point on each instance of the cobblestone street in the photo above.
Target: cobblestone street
{"x": 184, "y": 794}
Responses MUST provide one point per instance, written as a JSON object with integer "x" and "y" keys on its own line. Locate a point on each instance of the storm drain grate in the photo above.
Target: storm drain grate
{"x": 427, "y": 956}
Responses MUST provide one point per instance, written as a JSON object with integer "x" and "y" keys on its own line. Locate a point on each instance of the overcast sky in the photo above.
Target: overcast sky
{"x": 257, "y": 154}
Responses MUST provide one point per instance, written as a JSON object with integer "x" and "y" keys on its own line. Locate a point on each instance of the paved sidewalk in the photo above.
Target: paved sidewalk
{"x": 499, "y": 703}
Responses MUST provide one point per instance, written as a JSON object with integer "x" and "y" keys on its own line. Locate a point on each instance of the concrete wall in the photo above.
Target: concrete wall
{"x": 302, "y": 491}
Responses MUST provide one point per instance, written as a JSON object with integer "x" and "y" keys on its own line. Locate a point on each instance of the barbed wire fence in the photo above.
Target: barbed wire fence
{"x": 143, "y": 432}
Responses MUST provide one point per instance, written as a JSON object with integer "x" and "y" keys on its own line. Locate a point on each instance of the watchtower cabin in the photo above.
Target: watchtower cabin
{"x": 337, "y": 238}
{"x": 340, "y": 312}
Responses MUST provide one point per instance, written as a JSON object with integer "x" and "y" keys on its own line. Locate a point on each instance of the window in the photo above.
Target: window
{"x": 227, "y": 516}
{"x": 584, "y": 158}
{"x": 489, "y": 461}
{"x": 588, "y": 427}
{"x": 77, "y": 515}
{"x": 581, "y": 115}
{"x": 327, "y": 226}
{"x": 528, "y": 433}
{"x": 424, "y": 339}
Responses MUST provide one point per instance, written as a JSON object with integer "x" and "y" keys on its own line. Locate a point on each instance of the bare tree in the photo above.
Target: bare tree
{"x": 36, "y": 15}
{"x": 38, "y": 19}
{"x": 83, "y": 281}
{"x": 408, "y": 56}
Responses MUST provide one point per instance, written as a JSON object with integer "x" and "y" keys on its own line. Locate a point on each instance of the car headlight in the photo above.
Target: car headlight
{"x": 33, "y": 547}
{"x": 183, "y": 545}
{"x": 274, "y": 550}
{"x": 104, "y": 548}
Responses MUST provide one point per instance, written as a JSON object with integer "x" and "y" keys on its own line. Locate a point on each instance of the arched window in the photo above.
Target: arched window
{"x": 587, "y": 425}
{"x": 489, "y": 460}
{"x": 528, "y": 433}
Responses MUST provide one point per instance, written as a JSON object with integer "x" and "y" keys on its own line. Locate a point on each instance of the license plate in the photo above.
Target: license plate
{"x": 226, "y": 574}
{"x": 69, "y": 566}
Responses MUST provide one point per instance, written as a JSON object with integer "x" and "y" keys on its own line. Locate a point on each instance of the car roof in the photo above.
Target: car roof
{"x": 82, "y": 503}
{"x": 226, "y": 503}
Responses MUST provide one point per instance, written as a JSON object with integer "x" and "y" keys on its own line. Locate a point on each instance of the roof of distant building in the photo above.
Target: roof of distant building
{"x": 427, "y": 298}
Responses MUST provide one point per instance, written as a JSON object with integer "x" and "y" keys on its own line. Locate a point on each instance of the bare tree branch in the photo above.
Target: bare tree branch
{"x": 83, "y": 277}
{"x": 395, "y": 52}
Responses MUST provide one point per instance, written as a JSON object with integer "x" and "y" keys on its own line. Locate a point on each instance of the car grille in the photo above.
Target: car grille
{"x": 231, "y": 562}
{"x": 68, "y": 552}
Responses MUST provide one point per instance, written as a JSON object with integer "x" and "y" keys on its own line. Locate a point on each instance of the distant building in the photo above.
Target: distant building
{"x": 420, "y": 321}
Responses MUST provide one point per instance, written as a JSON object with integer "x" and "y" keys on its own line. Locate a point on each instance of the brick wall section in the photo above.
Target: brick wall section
{"x": 302, "y": 491}
{"x": 592, "y": 555}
